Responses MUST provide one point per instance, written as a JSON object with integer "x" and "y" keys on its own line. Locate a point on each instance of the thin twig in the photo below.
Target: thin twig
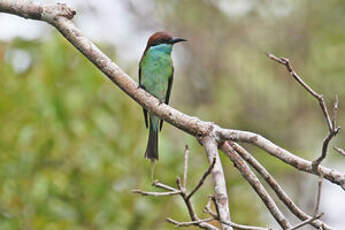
{"x": 284, "y": 155}
{"x": 333, "y": 130}
{"x": 220, "y": 190}
{"x": 335, "y": 111}
{"x": 203, "y": 178}
{"x": 213, "y": 199}
{"x": 188, "y": 223}
{"x": 182, "y": 192}
{"x": 306, "y": 222}
{"x": 179, "y": 184}
{"x": 164, "y": 186}
{"x": 207, "y": 208}
{"x": 190, "y": 207}
{"x": 144, "y": 193}
{"x": 316, "y": 163}
{"x": 188, "y": 203}
{"x": 185, "y": 171}
{"x": 319, "y": 97}
{"x": 318, "y": 196}
{"x": 283, "y": 196}
{"x": 339, "y": 150}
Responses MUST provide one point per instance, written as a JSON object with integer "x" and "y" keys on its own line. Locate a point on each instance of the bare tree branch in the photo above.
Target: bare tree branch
{"x": 256, "y": 185}
{"x": 221, "y": 195}
{"x": 299, "y": 163}
{"x": 276, "y": 187}
{"x": 210, "y": 134}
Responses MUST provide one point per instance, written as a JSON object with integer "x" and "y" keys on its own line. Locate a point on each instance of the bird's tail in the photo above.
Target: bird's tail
{"x": 152, "y": 143}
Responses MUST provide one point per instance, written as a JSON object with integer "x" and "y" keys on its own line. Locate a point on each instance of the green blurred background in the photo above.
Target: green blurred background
{"x": 72, "y": 144}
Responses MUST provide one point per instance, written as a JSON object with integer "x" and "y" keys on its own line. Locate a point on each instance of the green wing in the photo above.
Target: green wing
{"x": 171, "y": 78}
{"x": 141, "y": 86}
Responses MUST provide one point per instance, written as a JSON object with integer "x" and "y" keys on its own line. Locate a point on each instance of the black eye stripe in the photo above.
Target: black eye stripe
{"x": 161, "y": 41}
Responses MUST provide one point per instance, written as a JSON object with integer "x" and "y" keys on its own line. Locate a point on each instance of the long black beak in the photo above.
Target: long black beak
{"x": 176, "y": 40}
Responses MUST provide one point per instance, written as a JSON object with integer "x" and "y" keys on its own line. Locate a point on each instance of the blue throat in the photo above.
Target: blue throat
{"x": 164, "y": 48}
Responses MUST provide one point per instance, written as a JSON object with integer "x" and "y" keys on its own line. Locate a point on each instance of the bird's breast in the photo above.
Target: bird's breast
{"x": 156, "y": 70}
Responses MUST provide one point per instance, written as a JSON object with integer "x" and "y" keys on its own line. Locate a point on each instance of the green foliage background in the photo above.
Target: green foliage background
{"x": 72, "y": 144}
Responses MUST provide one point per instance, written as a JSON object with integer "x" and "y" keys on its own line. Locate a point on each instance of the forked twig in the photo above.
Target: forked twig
{"x": 203, "y": 178}
{"x": 333, "y": 130}
{"x": 306, "y": 222}
{"x": 316, "y": 163}
{"x": 182, "y": 191}
{"x": 319, "y": 97}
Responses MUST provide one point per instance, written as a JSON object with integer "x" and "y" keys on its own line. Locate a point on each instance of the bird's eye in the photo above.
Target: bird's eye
{"x": 158, "y": 42}
{"x": 161, "y": 41}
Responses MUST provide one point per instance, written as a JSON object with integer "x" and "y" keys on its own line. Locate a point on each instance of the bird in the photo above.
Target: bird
{"x": 156, "y": 72}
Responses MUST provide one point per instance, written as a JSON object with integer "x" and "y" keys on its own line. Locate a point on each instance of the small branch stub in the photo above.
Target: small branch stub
{"x": 340, "y": 150}
{"x": 51, "y": 13}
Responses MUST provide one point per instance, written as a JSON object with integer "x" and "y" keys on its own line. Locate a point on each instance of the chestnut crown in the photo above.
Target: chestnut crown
{"x": 162, "y": 38}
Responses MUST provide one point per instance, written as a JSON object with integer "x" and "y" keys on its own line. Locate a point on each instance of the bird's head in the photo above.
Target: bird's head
{"x": 159, "y": 38}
